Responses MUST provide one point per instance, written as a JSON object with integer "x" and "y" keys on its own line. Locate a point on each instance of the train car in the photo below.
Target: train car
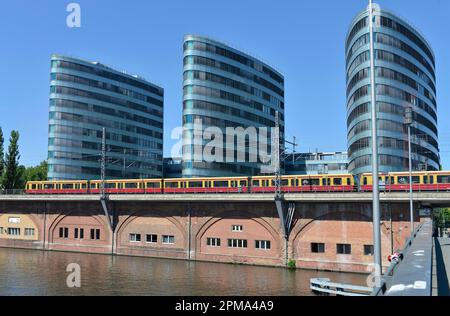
{"x": 132, "y": 186}
{"x": 306, "y": 183}
{"x": 421, "y": 181}
{"x": 207, "y": 185}
{"x": 57, "y": 187}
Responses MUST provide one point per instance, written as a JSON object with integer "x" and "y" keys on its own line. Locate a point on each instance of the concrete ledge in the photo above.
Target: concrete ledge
{"x": 433, "y": 198}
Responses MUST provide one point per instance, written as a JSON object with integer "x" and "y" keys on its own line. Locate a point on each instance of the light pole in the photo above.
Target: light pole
{"x": 408, "y": 123}
{"x": 375, "y": 187}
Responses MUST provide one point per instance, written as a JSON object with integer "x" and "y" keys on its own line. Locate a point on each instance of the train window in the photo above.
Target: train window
{"x": 443, "y": 179}
{"x": 195, "y": 184}
{"x": 221, "y": 184}
{"x": 243, "y": 183}
{"x": 285, "y": 182}
{"x": 207, "y": 184}
{"x": 364, "y": 180}
{"x": 152, "y": 185}
{"x": 67, "y": 186}
{"x": 233, "y": 184}
{"x": 110, "y": 185}
{"x": 337, "y": 181}
{"x": 431, "y": 180}
{"x": 326, "y": 181}
{"x": 405, "y": 180}
{"x": 131, "y": 185}
{"x": 49, "y": 186}
{"x": 83, "y": 185}
{"x": 33, "y": 187}
{"x": 425, "y": 179}
{"x": 171, "y": 184}
{"x": 93, "y": 185}
{"x": 348, "y": 181}
{"x": 255, "y": 183}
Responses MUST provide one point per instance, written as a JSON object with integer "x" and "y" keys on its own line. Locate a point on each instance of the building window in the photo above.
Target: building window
{"x": 237, "y": 243}
{"x": 213, "y": 242}
{"x": 237, "y": 228}
{"x": 78, "y": 233}
{"x": 317, "y": 247}
{"x": 29, "y": 231}
{"x": 63, "y": 232}
{"x": 13, "y": 231}
{"x": 1, "y": 230}
{"x": 135, "y": 237}
{"x": 368, "y": 250}
{"x": 152, "y": 238}
{"x": 262, "y": 244}
{"x": 168, "y": 239}
{"x": 95, "y": 234}
{"x": 343, "y": 249}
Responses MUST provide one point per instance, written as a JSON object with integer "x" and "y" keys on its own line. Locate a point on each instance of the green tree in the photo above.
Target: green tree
{"x": 2, "y": 156}
{"x": 37, "y": 173}
{"x": 12, "y": 177}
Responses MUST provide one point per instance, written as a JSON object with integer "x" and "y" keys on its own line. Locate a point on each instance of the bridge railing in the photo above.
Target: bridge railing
{"x": 12, "y": 192}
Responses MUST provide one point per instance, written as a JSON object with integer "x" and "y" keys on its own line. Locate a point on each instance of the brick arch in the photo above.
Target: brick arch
{"x": 329, "y": 259}
{"x": 301, "y": 226}
{"x": 60, "y": 217}
{"x": 236, "y": 214}
{"x": 34, "y": 219}
{"x": 133, "y": 216}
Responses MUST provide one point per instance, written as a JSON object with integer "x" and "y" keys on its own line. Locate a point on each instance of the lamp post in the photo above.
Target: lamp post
{"x": 408, "y": 123}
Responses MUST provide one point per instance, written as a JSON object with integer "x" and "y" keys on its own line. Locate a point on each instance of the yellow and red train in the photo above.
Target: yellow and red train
{"x": 397, "y": 181}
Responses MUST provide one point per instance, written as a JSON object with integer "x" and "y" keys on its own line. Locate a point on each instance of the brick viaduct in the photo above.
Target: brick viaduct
{"x": 182, "y": 224}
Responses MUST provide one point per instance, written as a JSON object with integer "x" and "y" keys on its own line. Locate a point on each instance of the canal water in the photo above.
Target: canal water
{"x": 35, "y": 272}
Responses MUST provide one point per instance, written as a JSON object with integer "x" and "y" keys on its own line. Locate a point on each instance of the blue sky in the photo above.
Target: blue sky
{"x": 302, "y": 39}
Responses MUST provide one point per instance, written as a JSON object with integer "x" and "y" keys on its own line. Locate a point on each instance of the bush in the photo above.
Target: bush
{"x": 291, "y": 264}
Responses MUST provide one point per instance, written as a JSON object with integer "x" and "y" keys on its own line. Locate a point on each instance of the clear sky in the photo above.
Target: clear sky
{"x": 302, "y": 39}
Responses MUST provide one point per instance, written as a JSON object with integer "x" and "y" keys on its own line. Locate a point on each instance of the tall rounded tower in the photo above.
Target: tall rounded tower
{"x": 404, "y": 78}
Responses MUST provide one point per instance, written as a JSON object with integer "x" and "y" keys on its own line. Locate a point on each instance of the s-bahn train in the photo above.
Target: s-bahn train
{"x": 398, "y": 181}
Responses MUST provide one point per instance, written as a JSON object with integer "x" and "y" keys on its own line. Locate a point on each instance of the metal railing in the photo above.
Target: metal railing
{"x": 12, "y": 192}
{"x": 323, "y": 286}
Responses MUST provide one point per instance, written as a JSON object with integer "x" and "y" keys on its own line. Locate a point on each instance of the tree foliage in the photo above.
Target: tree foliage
{"x": 2, "y": 156}
{"x": 12, "y": 177}
{"x": 37, "y": 173}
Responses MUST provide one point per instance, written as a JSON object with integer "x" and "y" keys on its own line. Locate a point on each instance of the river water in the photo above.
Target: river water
{"x": 35, "y": 272}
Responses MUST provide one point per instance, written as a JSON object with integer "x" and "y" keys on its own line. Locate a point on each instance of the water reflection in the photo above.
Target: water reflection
{"x": 33, "y": 272}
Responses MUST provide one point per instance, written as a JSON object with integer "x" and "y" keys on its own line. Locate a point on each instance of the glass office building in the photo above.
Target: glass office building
{"x": 226, "y": 88}
{"x": 405, "y": 78}
{"x": 86, "y": 97}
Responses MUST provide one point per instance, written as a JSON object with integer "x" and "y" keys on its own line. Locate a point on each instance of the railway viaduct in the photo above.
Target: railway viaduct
{"x": 324, "y": 231}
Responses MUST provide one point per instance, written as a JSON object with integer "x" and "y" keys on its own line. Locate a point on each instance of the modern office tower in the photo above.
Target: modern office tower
{"x": 86, "y": 97}
{"x": 226, "y": 88}
{"x": 405, "y": 78}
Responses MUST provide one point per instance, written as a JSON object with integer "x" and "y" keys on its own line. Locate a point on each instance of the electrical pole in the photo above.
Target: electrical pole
{"x": 408, "y": 123}
{"x": 375, "y": 188}
{"x": 103, "y": 165}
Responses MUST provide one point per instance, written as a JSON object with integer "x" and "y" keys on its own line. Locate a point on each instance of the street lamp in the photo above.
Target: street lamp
{"x": 408, "y": 123}
{"x": 375, "y": 187}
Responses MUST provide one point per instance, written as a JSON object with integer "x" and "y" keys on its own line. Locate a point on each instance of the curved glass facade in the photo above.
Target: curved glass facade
{"x": 87, "y": 96}
{"x": 405, "y": 77}
{"x": 225, "y": 88}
